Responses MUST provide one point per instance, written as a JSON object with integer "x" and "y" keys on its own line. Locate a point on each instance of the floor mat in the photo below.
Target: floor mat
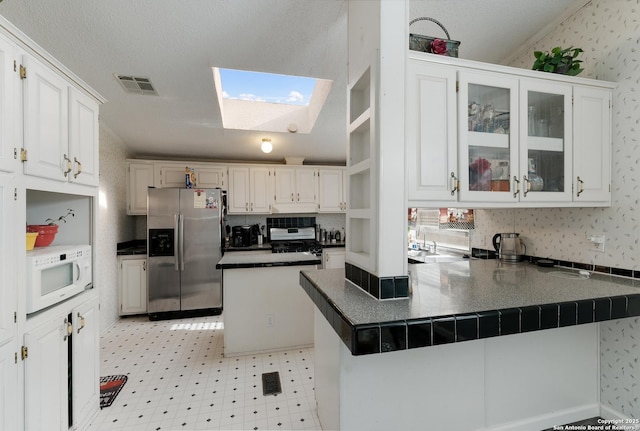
{"x": 110, "y": 387}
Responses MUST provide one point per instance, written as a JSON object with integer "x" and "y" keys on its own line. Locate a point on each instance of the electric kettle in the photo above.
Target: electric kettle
{"x": 509, "y": 246}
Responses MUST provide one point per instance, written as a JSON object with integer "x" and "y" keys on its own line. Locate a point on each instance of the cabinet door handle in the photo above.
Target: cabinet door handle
{"x": 516, "y": 186}
{"x": 68, "y": 329}
{"x": 246, "y": 206}
{"x": 251, "y": 206}
{"x": 527, "y": 185}
{"x": 79, "y": 171}
{"x": 455, "y": 184}
{"x": 144, "y": 265}
{"x": 298, "y": 197}
{"x": 581, "y": 186}
{"x": 82, "y": 322}
{"x": 68, "y": 165}
{"x": 291, "y": 197}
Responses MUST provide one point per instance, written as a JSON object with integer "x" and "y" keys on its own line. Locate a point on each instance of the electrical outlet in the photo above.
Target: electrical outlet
{"x": 597, "y": 242}
{"x": 269, "y": 320}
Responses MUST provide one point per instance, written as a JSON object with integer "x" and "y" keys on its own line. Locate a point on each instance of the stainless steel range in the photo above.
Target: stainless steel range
{"x": 294, "y": 239}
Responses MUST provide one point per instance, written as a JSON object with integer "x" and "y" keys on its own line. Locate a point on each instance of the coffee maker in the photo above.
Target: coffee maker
{"x": 241, "y": 236}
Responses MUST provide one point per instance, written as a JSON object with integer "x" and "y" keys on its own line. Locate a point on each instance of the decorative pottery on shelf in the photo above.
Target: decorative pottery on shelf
{"x": 46, "y": 233}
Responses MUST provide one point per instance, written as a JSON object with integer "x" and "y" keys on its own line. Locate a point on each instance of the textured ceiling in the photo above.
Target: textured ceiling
{"x": 176, "y": 42}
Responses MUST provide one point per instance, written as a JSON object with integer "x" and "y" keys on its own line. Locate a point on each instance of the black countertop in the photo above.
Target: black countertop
{"x": 265, "y": 260}
{"x": 133, "y": 247}
{"x": 468, "y": 300}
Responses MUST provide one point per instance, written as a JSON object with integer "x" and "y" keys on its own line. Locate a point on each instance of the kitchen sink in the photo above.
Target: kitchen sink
{"x": 425, "y": 256}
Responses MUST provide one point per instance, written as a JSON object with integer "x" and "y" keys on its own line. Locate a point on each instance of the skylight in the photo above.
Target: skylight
{"x": 266, "y": 87}
{"x": 269, "y": 102}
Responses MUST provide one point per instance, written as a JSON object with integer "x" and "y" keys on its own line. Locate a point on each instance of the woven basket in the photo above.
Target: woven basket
{"x": 441, "y": 46}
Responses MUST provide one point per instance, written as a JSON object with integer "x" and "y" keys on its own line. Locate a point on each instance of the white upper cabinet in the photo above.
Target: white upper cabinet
{"x": 296, "y": 189}
{"x": 331, "y": 190}
{"x": 523, "y": 140}
{"x": 431, "y": 134}
{"x": 249, "y": 190}
{"x": 172, "y": 174}
{"x": 83, "y": 138}
{"x": 139, "y": 179}
{"x": 60, "y": 127}
{"x": 8, "y": 117}
{"x": 46, "y": 122}
{"x": 592, "y": 145}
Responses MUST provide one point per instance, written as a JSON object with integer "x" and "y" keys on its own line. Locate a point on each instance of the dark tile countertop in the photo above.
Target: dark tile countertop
{"x": 468, "y": 300}
{"x": 133, "y": 247}
{"x": 253, "y": 247}
{"x": 247, "y": 260}
{"x": 327, "y": 244}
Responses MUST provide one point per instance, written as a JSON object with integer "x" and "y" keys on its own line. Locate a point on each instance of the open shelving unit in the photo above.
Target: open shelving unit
{"x": 361, "y": 172}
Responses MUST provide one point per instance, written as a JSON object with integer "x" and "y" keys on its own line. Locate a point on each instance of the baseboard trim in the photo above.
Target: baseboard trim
{"x": 542, "y": 422}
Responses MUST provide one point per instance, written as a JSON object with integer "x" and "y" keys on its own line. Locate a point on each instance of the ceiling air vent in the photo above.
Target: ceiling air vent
{"x": 137, "y": 85}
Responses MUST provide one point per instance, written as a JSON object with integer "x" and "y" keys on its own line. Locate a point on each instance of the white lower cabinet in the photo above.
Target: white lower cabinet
{"x": 133, "y": 284}
{"x": 8, "y": 387}
{"x": 61, "y": 369}
{"x": 86, "y": 361}
{"x": 333, "y": 258}
{"x": 46, "y": 359}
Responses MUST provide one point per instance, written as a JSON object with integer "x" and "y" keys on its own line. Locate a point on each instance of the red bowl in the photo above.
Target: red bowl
{"x": 46, "y": 233}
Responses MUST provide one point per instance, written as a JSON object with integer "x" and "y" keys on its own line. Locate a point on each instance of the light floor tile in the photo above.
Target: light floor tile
{"x": 178, "y": 379}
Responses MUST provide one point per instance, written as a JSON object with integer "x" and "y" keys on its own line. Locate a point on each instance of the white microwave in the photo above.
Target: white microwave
{"x": 56, "y": 273}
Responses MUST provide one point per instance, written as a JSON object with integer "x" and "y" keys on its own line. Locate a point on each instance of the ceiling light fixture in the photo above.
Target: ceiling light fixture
{"x": 266, "y": 145}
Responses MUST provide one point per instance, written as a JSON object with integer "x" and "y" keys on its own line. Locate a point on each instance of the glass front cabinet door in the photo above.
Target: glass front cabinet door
{"x": 515, "y": 139}
{"x": 545, "y": 141}
{"x": 488, "y": 137}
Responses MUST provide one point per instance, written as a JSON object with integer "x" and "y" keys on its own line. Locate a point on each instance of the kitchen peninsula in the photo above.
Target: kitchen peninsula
{"x": 510, "y": 346}
{"x": 264, "y": 307}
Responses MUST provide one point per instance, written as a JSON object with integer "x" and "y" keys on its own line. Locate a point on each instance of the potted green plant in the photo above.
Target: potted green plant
{"x": 559, "y": 60}
{"x": 47, "y": 232}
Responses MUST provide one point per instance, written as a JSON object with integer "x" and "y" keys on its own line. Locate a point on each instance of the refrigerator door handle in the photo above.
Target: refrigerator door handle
{"x": 176, "y": 236}
{"x": 181, "y": 241}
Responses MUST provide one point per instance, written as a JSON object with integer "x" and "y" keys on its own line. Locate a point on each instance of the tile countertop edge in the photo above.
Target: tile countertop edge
{"x": 242, "y": 260}
{"x": 430, "y": 330}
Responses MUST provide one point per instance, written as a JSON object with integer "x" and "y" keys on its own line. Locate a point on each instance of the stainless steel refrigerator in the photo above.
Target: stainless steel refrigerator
{"x": 183, "y": 245}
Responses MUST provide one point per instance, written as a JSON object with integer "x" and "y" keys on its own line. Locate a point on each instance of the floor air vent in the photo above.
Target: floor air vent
{"x": 271, "y": 383}
{"x": 137, "y": 85}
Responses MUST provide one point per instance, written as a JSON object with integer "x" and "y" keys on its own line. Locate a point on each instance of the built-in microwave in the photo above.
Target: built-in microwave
{"x": 56, "y": 273}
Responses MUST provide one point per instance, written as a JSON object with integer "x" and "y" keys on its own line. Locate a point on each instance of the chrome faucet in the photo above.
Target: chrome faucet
{"x": 433, "y": 248}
